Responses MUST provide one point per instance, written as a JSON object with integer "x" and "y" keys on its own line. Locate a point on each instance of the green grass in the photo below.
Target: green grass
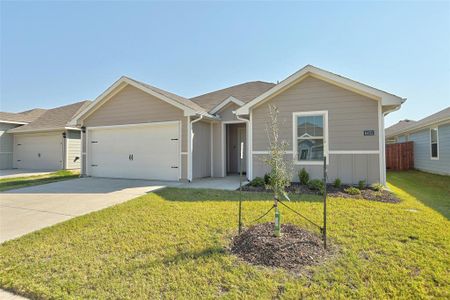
{"x": 172, "y": 244}
{"x": 20, "y": 182}
{"x": 430, "y": 189}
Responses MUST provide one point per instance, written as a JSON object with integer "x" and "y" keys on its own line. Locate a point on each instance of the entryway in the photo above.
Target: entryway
{"x": 236, "y": 135}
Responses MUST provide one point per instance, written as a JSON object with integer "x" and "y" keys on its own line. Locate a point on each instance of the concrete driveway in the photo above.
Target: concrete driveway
{"x": 28, "y": 209}
{"x": 11, "y": 173}
{"x": 32, "y": 208}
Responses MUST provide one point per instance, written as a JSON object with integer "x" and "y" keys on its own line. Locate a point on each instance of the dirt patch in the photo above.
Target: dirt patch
{"x": 367, "y": 193}
{"x": 294, "y": 249}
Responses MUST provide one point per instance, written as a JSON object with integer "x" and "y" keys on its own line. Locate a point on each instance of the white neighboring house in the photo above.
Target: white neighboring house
{"x": 48, "y": 143}
{"x": 431, "y": 138}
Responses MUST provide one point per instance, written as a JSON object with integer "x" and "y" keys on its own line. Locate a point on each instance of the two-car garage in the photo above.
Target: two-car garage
{"x": 137, "y": 151}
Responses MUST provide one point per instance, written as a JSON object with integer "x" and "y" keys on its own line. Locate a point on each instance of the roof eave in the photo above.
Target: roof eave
{"x": 309, "y": 70}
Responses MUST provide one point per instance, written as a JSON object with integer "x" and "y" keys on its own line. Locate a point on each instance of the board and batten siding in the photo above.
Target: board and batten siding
{"x": 422, "y": 150}
{"x": 349, "y": 114}
{"x": 73, "y": 149}
{"x": 133, "y": 106}
{"x": 6, "y": 145}
{"x": 349, "y": 168}
{"x": 201, "y": 150}
{"x": 217, "y": 150}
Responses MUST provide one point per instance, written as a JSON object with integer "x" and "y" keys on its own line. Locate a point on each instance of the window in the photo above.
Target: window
{"x": 310, "y": 137}
{"x": 434, "y": 139}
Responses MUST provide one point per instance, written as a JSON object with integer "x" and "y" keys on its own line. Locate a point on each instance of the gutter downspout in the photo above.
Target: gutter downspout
{"x": 383, "y": 137}
{"x": 191, "y": 147}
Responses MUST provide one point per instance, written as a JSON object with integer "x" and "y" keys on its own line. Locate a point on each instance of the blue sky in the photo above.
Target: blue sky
{"x": 55, "y": 53}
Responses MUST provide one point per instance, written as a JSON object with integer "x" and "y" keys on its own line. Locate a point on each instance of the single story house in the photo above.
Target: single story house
{"x": 10, "y": 121}
{"x": 135, "y": 130}
{"x": 431, "y": 138}
{"x": 47, "y": 143}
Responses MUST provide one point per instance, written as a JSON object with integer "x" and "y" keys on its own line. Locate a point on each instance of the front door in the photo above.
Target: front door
{"x": 242, "y": 146}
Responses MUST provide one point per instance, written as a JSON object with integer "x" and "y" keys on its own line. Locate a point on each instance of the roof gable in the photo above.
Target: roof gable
{"x": 244, "y": 92}
{"x": 340, "y": 81}
{"x": 224, "y": 103}
{"x": 190, "y": 108}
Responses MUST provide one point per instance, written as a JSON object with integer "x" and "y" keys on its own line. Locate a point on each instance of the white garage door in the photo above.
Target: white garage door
{"x": 147, "y": 151}
{"x": 38, "y": 151}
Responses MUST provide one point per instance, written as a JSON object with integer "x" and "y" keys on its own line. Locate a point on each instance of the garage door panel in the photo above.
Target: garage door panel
{"x": 36, "y": 151}
{"x": 138, "y": 152}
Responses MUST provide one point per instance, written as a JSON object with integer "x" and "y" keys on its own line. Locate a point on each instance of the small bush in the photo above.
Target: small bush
{"x": 362, "y": 184}
{"x": 316, "y": 185}
{"x": 377, "y": 187}
{"x": 337, "y": 183}
{"x": 257, "y": 181}
{"x": 352, "y": 190}
{"x": 303, "y": 176}
{"x": 267, "y": 178}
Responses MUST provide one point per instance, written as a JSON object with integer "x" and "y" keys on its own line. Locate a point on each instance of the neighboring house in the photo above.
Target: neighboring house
{"x": 135, "y": 130}
{"x": 47, "y": 143}
{"x": 431, "y": 138}
{"x": 390, "y": 139}
{"x": 10, "y": 121}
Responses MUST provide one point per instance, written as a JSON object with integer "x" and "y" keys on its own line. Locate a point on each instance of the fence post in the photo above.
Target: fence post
{"x": 325, "y": 202}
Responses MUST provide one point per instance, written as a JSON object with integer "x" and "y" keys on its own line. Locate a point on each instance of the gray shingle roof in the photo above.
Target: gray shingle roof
{"x": 25, "y": 116}
{"x": 174, "y": 97}
{"x": 56, "y": 118}
{"x": 400, "y": 128}
{"x": 244, "y": 92}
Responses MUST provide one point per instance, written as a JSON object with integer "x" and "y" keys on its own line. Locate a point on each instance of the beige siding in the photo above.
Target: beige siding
{"x": 226, "y": 113}
{"x": 73, "y": 149}
{"x": 217, "y": 150}
{"x": 83, "y": 154}
{"x": 350, "y": 168}
{"x": 201, "y": 155}
{"x": 6, "y": 146}
{"x": 349, "y": 114}
{"x": 184, "y": 164}
{"x": 132, "y": 106}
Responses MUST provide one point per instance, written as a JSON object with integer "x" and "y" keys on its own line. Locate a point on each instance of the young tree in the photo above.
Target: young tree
{"x": 280, "y": 170}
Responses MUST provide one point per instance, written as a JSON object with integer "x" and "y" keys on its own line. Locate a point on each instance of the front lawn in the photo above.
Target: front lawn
{"x": 20, "y": 182}
{"x": 430, "y": 189}
{"x": 172, "y": 244}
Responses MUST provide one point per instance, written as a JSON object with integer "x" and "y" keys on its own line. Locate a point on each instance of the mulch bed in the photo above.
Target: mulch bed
{"x": 367, "y": 193}
{"x": 294, "y": 249}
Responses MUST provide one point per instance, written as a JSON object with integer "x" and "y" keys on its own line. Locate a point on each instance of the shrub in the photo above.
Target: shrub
{"x": 361, "y": 184}
{"x": 337, "y": 183}
{"x": 316, "y": 185}
{"x": 377, "y": 187}
{"x": 267, "y": 178}
{"x": 303, "y": 176}
{"x": 257, "y": 181}
{"x": 352, "y": 190}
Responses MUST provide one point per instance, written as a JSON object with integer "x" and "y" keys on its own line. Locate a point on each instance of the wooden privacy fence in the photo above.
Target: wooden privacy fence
{"x": 400, "y": 156}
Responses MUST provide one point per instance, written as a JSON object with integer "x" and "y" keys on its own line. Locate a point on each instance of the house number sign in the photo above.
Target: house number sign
{"x": 369, "y": 132}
